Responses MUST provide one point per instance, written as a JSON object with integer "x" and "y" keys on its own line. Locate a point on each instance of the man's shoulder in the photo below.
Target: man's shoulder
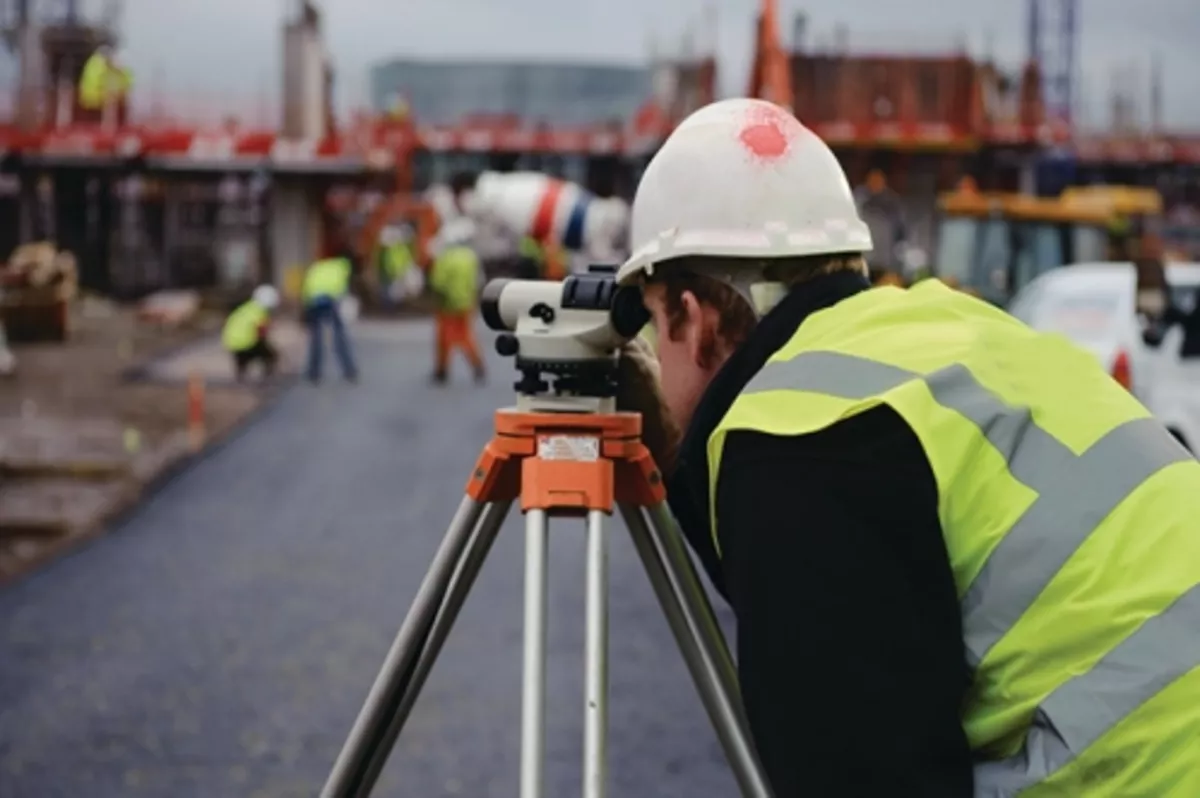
{"x": 876, "y": 436}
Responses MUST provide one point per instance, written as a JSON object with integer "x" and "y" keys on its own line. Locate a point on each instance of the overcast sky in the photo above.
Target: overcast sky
{"x": 215, "y": 50}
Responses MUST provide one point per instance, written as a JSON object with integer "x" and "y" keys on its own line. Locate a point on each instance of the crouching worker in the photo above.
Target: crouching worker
{"x": 454, "y": 278}
{"x": 245, "y": 335}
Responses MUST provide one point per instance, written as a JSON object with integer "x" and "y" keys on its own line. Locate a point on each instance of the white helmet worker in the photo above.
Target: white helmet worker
{"x": 390, "y": 235}
{"x": 267, "y": 296}
{"x": 742, "y": 179}
{"x": 456, "y": 232}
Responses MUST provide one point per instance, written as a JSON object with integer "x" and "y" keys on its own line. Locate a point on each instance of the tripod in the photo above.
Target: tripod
{"x": 559, "y": 464}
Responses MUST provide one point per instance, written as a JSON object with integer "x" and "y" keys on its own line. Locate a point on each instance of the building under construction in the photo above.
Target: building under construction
{"x": 151, "y": 204}
{"x": 148, "y": 204}
{"x": 923, "y": 122}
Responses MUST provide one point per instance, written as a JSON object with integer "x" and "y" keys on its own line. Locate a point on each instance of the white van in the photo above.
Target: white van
{"x": 1093, "y": 304}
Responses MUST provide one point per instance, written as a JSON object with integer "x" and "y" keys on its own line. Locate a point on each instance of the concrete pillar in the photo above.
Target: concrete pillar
{"x": 303, "y": 82}
{"x": 31, "y": 77}
{"x": 295, "y": 207}
{"x": 1027, "y": 174}
{"x": 27, "y": 208}
{"x": 171, "y": 250}
{"x": 295, "y": 227}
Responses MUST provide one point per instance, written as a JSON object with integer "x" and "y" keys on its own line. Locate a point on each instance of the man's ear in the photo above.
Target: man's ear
{"x": 694, "y": 334}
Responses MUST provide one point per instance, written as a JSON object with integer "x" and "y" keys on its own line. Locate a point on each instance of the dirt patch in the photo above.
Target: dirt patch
{"x": 79, "y": 440}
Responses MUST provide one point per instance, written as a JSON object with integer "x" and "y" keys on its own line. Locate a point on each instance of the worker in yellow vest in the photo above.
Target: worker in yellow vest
{"x": 454, "y": 278}
{"x": 540, "y": 260}
{"x": 326, "y": 284}
{"x": 245, "y": 335}
{"x": 531, "y": 259}
{"x": 103, "y": 80}
{"x": 964, "y": 561}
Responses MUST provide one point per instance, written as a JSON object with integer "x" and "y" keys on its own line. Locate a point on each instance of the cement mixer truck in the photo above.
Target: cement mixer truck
{"x": 514, "y": 207}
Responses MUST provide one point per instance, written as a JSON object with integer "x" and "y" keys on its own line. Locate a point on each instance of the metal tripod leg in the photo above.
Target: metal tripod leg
{"x": 699, "y": 638}
{"x": 595, "y": 674}
{"x": 533, "y": 678}
{"x": 456, "y": 595}
{"x": 460, "y": 587}
{"x": 533, "y": 709}
{"x": 375, "y": 730}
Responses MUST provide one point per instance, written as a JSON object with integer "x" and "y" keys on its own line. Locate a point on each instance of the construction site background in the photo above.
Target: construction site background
{"x": 152, "y": 217}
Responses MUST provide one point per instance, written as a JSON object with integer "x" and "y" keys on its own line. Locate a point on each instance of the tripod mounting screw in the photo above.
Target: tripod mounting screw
{"x": 507, "y": 345}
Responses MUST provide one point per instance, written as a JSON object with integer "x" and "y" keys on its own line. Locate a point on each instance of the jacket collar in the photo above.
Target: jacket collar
{"x": 774, "y": 330}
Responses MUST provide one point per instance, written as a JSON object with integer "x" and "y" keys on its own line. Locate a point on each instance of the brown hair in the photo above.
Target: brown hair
{"x": 736, "y": 316}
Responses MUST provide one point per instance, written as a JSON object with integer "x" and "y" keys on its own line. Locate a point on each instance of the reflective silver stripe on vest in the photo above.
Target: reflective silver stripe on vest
{"x": 1082, "y": 710}
{"x": 1074, "y": 493}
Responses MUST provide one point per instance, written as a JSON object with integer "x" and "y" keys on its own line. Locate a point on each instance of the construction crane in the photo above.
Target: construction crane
{"x": 771, "y": 74}
{"x": 1053, "y": 47}
{"x": 1053, "y": 40}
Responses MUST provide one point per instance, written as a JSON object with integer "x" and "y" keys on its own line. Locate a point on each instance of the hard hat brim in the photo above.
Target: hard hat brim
{"x": 833, "y": 238}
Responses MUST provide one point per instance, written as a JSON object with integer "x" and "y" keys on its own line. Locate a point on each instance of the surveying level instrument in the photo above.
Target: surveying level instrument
{"x": 565, "y": 452}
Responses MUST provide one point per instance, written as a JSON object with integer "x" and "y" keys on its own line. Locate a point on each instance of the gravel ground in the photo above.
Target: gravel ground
{"x": 221, "y": 640}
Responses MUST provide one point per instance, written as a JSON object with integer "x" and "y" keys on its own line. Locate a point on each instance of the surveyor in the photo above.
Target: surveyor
{"x": 326, "y": 284}
{"x": 454, "y": 279}
{"x": 963, "y": 560}
{"x": 245, "y": 335}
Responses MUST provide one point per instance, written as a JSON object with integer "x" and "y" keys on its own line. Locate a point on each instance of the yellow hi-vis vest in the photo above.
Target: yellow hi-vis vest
{"x": 397, "y": 259}
{"x": 329, "y": 277}
{"x": 1071, "y": 518}
{"x": 100, "y": 80}
{"x": 528, "y": 247}
{"x": 454, "y": 277}
{"x": 241, "y": 328}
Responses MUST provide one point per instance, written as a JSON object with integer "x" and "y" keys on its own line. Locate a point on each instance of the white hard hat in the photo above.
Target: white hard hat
{"x": 267, "y": 296}
{"x": 456, "y": 232}
{"x": 742, "y": 178}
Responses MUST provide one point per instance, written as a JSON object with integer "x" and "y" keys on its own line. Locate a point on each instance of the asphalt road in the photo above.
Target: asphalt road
{"x": 221, "y": 640}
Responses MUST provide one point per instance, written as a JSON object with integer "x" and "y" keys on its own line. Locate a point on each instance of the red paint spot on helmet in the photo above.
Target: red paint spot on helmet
{"x": 768, "y": 132}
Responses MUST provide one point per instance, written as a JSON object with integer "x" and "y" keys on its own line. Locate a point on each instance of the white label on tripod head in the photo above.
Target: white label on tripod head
{"x": 569, "y": 447}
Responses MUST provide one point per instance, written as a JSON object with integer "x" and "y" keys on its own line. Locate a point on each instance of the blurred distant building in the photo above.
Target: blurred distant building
{"x": 556, "y": 94}
{"x": 561, "y": 96}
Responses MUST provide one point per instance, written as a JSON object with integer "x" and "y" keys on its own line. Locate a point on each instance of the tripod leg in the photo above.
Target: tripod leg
{"x": 533, "y": 688}
{"x": 460, "y": 586}
{"x": 352, "y": 772}
{"x": 699, "y": 638}
{"x": 693, "y": 600}
{"x": 456, "y": 595}
{"x": 595, "y": 726}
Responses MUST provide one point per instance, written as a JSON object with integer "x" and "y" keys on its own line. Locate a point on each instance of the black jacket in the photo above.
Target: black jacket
{"x": 849, "y": 646}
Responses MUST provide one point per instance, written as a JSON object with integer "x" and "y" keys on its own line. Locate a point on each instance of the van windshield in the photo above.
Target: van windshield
{"x": 1088, "y": 316}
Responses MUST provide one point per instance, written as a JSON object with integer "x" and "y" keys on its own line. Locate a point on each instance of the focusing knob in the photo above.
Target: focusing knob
{"x": 507, "y": 345}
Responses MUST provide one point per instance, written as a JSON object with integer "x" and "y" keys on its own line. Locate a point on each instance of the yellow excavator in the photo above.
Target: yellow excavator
{"x": 993, "y": 244}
